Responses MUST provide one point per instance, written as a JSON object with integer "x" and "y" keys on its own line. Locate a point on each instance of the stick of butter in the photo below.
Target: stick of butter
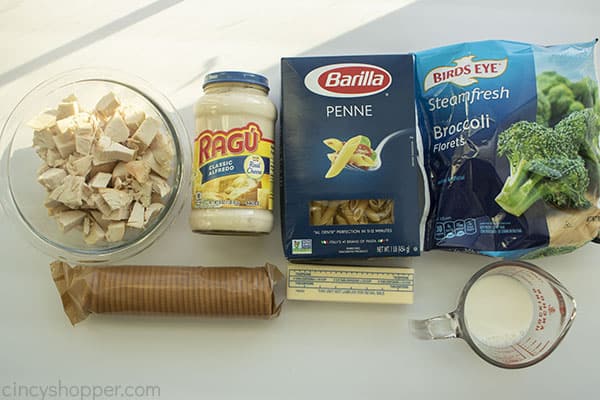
{"x": 382, "y": 285}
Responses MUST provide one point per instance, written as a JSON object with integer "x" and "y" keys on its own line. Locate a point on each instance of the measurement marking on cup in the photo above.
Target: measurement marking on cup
{"x": 518, "y": 352}
{"x": 525, "y": 350}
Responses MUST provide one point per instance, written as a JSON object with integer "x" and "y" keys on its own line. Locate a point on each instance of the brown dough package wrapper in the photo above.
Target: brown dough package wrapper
{"x": 202, "y": 291}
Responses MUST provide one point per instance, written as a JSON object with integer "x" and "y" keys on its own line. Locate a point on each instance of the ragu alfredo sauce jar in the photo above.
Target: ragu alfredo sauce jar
{"x": 233, "y": 155}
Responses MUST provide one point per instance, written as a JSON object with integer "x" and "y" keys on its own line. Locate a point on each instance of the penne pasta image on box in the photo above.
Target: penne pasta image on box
{"x": 356, "y": 152}
{"x": 352, "y": 163}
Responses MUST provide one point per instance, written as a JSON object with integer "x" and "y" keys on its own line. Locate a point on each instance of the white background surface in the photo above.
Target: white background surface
{"x": 314, "y": 350}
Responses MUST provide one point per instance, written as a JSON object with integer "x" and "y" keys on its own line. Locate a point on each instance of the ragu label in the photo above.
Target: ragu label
{"x": 215, "y": 144}
{"x": 465, "y": 72}
{"x": 233, "y": 168}
{"x": 348, "y": 80}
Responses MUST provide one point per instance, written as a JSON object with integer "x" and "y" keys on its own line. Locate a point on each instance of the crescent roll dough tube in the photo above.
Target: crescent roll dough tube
{"x": 202, "y": 291}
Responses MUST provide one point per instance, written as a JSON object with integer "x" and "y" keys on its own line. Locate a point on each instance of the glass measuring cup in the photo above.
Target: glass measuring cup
{"x": 552, "y": 315}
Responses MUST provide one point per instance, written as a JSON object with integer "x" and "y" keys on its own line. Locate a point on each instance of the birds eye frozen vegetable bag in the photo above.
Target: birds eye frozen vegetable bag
{"x": 511, "y": 147}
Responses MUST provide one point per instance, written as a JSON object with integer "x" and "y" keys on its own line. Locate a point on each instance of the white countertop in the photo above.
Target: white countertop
{"x": 314, "y": 350}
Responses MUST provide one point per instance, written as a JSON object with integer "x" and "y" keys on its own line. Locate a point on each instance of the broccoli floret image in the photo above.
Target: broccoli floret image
{"x": 544, "y": 165}
{"x": 564, "y": 97}
{"x": 544, "y": 109}
{"x": 560, "y": 98}
{"x": 582, "y": 129}
{"x": 585, "y": 91}
{"x": 547, "y": 79}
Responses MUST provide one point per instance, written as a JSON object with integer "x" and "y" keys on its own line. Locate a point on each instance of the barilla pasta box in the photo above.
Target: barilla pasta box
{"x": 351, "y": 158}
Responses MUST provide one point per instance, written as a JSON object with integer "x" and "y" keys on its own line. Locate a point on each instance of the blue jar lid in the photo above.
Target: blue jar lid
{"x": 236, "y": 76}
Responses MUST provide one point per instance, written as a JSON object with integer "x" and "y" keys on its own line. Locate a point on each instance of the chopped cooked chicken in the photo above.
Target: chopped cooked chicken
{"x": 115, "y": 231}
{"x": 159, "y": 185}
{"x": 104, "y": 170}
{"x": 45, "y": 120}
{"x": 145, "y": 134}
{"x": 162, "y": 170}
{"x": 52, "y": 178}
{"x": 65, "y": 143}
{"x": 95, "y": 234}
{"x": 100, "y": 220}
{"x": 116, "y": 129}
{"x": 66, "y": 125}
{"x": 100, "y": 180}
{"x": 70, "y": 192}
{"x": 106, "y": 150}
{"x": 115, "y": 199}
{"x": 162, "y": 150}
{"x": 68, "y": 220}
{"x": 136, "y": 218}
{"x": 80, "y": 166}
{"x": 44, "y": 139}
{"x": 104, "y": 167}
{"x": 66, "y": 109}
{"x": 119, "y": 215}
{"x": 83, "y": 143}
{"x": 139, "y": 170}
{"x": 133, "y": 117}
{"x": 54, "y": 159}
{"x": 152, "y": 210}
{"x": 142, "y": 192}
{"x": 108, "y": 104}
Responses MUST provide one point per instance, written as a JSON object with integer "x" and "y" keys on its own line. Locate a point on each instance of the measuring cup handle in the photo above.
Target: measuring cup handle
{"x": 440, "y": 327}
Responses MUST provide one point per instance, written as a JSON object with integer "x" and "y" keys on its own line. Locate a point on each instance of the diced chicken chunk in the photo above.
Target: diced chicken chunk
{"x": 65, "y": 143}
{"x": 133, "y": 117}
{"x": 162, "y": 170}
{"x": 115, "y": 231}
{"x": 115, "y": 199}
{"x": 116, "y": 129}
{"x": 118, "y": 215}
{"x": 104, "y": 167}
{"x": 95, "y": 234}
{"x": 84, "y": 129}
{"x": 45, "y": 120}
{"x": 136, "y": 218}
{"x": 66, "y": 125}
{"x": 70, "y": 192}
{"x": 145, "y": 134}
{"x": 153, "y": 210}
{"x": 100, "y": 180}
{"x": 66, "y": 109}
{"x": 162, "y": 149}
{"x": 139, "y": 170}
{"x": 44, "y": 139}
{"x": 80, "y": 166}
{"x": 83, "y": 143}
{"x": 100, "y": 220}
{"x": 68, "y": 220}
{"x": 54, "y": 159}
{"x": 52, "y": 178}
{"x": 120, "y": 171}
{"x": 108, "y": 104}
{"x": 107, "y": 150}
{"x": 142, "y": 192}
{"x": 160, "y": 185}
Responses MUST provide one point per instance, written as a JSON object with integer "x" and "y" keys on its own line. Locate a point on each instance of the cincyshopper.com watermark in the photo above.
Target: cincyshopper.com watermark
{"x": 63, "y": 391}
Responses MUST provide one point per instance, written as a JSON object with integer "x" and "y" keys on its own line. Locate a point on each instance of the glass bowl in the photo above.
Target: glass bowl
{"x": 22, "y": 197}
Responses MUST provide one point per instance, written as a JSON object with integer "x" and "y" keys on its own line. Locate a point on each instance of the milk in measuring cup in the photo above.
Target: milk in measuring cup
{"x": 498, "y": 310}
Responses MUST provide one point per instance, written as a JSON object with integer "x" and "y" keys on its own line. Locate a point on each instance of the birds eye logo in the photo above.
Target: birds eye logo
{"x": 465, "y": 72}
